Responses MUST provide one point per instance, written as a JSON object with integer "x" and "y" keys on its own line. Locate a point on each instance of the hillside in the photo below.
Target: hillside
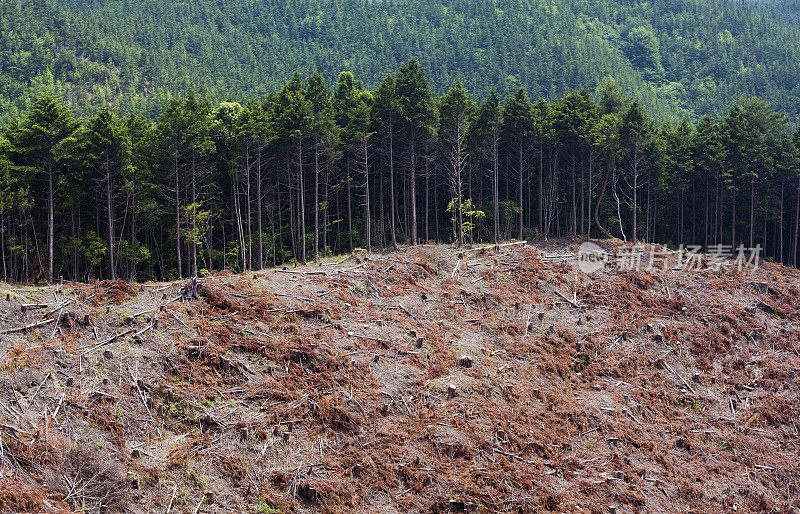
{"x": 678, "y": 57}
{"x": 425, "y": 380}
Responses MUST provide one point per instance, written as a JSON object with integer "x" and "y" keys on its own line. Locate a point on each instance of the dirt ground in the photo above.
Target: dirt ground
{"x": 433, "y": 379}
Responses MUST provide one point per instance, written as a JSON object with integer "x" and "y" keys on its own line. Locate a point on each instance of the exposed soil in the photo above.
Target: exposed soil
{"x": 428, "y": 380}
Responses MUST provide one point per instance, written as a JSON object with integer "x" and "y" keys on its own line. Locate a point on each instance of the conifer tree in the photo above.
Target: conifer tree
{"x": 418, "y": 115}
{"x": 456, "y": 110}
{"x": 38, "y": 138}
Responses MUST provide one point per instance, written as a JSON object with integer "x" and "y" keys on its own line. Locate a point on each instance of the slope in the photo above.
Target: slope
{"x": 424, "y": 380}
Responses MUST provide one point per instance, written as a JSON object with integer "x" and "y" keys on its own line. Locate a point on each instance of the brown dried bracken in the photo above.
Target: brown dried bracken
{"x": 426, "y": 380}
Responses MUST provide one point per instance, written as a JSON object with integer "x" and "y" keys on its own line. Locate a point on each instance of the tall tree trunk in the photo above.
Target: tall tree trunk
{"x": 258, "y": 210}
{"x": 178, "y": 217}
{"x": 574, "y": 197}
{"x": 496, "y": 186}
{"x": 3, "y": 244}
{"x": 600, "y": 227}
{"x": 349, "y": 205}
{"x": 194, "y": 216}
{"x": 753, "y": 213}
{"x": 367, "y": 214}
{"x": 733, "y": 217}
{"x": 413, "y": 191}
{"x": 635, "y": 190}
{"x": 780, "y": 236}
{"x": 427, "y": 194}
{"x": 50, "y": 208}
{"x": 541, "y": 189}
{"x": 392, "y": 204}
{"x": 796, "y": 223}
{"x": 110, "y": 212}
{"x": 301, "y": 201}
{"x": 520, "y": 164}
{"x": 249, "y": 200}
{"x": 133, "y": 228}
{"x": 316, "y": 202}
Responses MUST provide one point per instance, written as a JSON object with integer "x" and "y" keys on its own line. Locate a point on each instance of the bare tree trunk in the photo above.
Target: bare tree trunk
{"x": 413, "y": 192}
{"x": 392, "y": 206}
{"x": 249, "y": 212}
{"x": 574, "y": 198}
{"x": 733, "y": 217}
{"x": 496, "y": 185}
{"x": 258, "y": 210}
{"x": 541, "y": 189}
{"x": 427, "y": 195}
{"x": 301, "y": 200}
{"x": 367, "y": 214}
{"x": 178, "y": 218}
{"x": 796, "y": 223}
{"x": 110, "y": 217}
{"x": 316, "y": 202}
{"x": 50, "y": 231}
{"x": 520, "y": 159}
{"x": 635, "y": 204}
{"x": 194, "y": 217}
{"x": 753, "y": 212}
{"x": 133, "y": 228}
{"x": 3, "y": 244}
{"x": 600, "y": 227}
{"x": 780, "y": 237}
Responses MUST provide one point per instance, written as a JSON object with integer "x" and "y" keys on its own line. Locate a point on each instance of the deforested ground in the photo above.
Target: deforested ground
{"x": 426, "y": 380}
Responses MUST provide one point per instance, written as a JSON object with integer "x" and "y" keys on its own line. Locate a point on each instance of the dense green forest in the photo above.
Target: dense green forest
{"x": 311, "y": 170}
{"x": 677, "y": 57}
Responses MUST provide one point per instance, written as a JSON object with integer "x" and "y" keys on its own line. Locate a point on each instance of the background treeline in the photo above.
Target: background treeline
{"x": 679, "y": 56}
{"x": 311, "y": 170}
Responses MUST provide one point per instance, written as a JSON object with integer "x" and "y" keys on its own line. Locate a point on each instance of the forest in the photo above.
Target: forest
{"x": 313, "y": 170}
{"x": 681, "y": 57}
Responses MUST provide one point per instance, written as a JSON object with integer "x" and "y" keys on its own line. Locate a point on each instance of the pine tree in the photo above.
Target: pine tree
{"x": 517, "y": 133}
{"x": 636, "y": 139}
{"x": 386, "y": 113}
{"x": 418, "y": 115}
{"x": 293, "y": 121}
{"x": 38, "y": 138}
{"x": 486, "y": 129}
{"x": 104, "y": 147}
{"x": 456, "y": 110}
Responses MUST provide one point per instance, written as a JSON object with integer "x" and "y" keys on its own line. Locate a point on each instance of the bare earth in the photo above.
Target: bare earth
{"x": 428, "y": 380}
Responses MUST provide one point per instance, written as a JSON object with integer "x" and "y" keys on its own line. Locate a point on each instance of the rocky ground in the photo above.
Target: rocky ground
{"x": 427, "y": 380}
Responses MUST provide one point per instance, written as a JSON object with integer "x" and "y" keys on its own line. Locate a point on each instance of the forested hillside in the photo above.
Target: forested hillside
{"x": 313, "y": 170}
{"x": 677, "y": 57}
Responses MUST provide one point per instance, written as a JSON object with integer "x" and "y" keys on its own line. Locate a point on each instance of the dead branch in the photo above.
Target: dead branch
{"x": 27, "y": 327}
{"x": 299, "y": 272}
{"x": 492, "y": 247}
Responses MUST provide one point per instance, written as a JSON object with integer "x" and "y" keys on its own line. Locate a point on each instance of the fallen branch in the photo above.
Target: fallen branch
{"x": 58, "y": 308}
{"x": 180, "y": 321}
{"x": 491, "y": 247}
{"x": 298, "y": 272}
{"x": 337, "y": 262}
{"x": 571, "y": 302}
{"x": 26, "y": 327}
{"x": 138, "y": 334}
{"x": 501, "y": 452}
{"x": 681, "y": 377}
{"x": 104, "y": 342}
{"x": 26, "y": 306}
{"x": 351, "y": 269}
